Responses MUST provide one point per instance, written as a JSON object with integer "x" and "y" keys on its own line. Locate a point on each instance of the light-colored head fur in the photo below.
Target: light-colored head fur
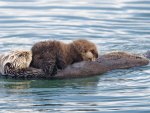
{"x": 88, "y": 56}
{"x": 19, "y": 59}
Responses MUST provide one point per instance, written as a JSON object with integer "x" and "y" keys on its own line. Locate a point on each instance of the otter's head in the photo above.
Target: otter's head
{"x": 20, "y": 59}
{"x": 86, "y": 49}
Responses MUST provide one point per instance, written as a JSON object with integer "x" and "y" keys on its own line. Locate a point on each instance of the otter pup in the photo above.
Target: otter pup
{"x": 16, "y": 60}
{"x": 53, "y": 55}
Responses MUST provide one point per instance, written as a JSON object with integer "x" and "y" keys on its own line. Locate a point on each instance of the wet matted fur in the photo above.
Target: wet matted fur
{"x": 16, "y": 60}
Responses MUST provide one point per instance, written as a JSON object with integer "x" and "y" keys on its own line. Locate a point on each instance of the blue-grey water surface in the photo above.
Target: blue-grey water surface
{"x": 114, "y": 25}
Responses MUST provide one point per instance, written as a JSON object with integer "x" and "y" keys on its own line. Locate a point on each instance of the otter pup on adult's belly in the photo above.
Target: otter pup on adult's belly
{"x": 14, "y": 60}
{"x": 52, "y": 55}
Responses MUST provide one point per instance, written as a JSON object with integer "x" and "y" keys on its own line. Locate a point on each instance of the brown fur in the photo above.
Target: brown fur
{"x": 53, "y": 55}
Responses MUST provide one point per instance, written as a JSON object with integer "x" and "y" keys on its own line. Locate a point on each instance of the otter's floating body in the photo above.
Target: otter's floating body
{"x": 107, "y": 62}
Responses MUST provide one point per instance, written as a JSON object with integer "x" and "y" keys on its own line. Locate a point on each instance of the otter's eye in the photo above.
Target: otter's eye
{"x": 94, "y": 53}
{"x": 20, "y": 55}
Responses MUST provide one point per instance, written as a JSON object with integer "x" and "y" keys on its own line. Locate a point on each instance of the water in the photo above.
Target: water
{"x": 122, "y": 25}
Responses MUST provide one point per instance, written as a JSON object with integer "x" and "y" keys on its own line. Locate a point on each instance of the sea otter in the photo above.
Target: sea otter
{"x": 52, "y": 55}
{"x": 18, "y": 60}
{"x": 105, "y": 63}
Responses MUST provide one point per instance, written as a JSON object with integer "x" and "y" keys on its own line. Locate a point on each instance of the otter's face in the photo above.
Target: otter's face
{"x": 89, "y": 56}
{"x": 22, "y": 59}
{"x": 86, "y": 49}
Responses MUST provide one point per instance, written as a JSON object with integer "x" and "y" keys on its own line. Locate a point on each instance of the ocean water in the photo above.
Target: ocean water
{"x": 113, "y": 25}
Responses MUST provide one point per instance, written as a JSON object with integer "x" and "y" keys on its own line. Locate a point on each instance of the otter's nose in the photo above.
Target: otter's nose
{"x": 93, "y": 59}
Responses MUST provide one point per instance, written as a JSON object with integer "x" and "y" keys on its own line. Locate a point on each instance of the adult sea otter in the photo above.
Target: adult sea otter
{"x": 104, "y": 63}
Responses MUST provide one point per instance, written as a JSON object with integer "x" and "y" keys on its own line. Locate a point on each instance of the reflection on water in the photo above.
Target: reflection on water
{"x": 112, "y": 24}
{"x": 26, "y": 84}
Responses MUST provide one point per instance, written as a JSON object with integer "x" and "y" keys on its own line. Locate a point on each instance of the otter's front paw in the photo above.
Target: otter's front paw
{"x": 54, "y": 71}
{"x": 8, "y": 68}
{"x": 48, "y": 68}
